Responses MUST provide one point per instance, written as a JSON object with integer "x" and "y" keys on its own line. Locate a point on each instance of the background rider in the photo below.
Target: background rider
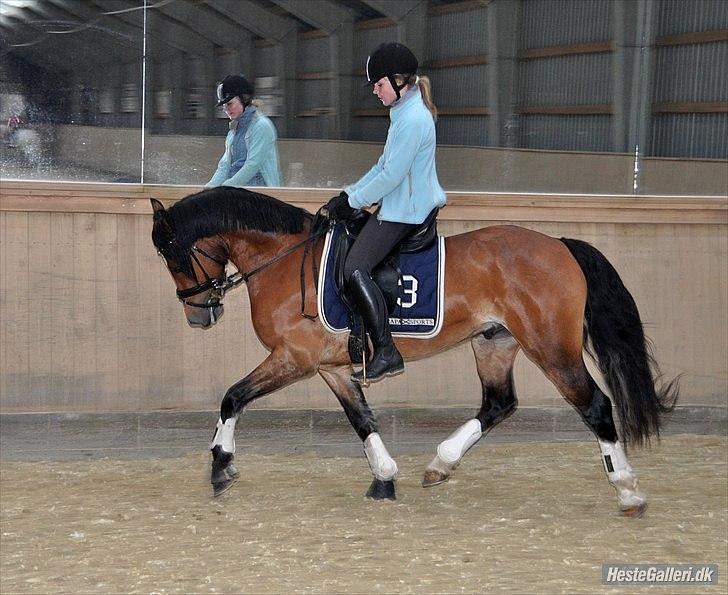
{"x": 251, "y": 154}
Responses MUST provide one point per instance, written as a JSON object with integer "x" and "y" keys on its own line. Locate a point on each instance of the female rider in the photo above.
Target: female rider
{"x": 404, "y": 183}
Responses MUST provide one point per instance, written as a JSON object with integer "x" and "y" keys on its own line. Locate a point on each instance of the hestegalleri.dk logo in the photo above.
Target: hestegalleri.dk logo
{"x": 696, "y": 574}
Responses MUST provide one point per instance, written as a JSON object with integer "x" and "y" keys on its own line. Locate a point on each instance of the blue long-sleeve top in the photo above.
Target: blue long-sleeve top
{"x": 404, "y": 179}
{"x": 251, "y": 154}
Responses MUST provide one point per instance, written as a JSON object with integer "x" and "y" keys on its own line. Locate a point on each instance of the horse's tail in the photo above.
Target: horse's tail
{"x": 623, "y": 353}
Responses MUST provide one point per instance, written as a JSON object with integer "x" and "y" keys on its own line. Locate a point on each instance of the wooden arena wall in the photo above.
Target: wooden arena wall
{"x": 89, "y": 321}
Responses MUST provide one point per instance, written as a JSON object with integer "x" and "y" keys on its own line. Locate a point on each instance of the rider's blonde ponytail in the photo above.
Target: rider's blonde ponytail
{"x": 426, "y": 90}
{"x": 423, "y": 82}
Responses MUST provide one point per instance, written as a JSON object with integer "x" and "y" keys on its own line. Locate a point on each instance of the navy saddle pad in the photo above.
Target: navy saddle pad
{"x": 420, "y": 304}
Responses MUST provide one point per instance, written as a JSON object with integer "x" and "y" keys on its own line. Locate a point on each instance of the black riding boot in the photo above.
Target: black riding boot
{"x": 386, "y": 360}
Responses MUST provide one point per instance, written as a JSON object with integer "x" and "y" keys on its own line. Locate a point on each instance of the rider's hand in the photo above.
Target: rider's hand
{"x": 338, "y": 207}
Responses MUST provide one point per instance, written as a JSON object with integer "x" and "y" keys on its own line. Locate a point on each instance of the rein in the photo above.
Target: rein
{"x": 218, "y": 286}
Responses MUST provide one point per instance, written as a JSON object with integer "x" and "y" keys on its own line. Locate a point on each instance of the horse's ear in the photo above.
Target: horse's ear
{"x": 158, "y": 207}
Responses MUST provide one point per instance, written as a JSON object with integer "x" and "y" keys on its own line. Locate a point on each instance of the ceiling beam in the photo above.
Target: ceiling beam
{"x": 255, "y": 18}
{"x": 37, "y": 54}
{"x": 32, "y": 30}
{"x": 216, "y": 29}
{"x": 83, "y": 38}
{"x": 94, "y": 17}
{"x": 321, "y": 14}
{"x": 158, "y": 26}
{"x": 395, "y": 10}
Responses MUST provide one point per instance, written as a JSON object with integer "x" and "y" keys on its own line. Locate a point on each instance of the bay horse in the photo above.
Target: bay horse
{"x": 507, "y": 288}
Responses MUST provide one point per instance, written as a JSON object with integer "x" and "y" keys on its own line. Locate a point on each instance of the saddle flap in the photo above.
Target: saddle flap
{"x": 423, "y": 237}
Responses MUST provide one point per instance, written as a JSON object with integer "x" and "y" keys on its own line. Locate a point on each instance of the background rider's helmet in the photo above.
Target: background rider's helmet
{"x": 235, "y": 85}
{"x": 389, "y": 59}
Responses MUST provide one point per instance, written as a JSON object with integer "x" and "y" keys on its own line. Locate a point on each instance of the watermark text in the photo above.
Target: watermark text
{"x": 696, "y": 574}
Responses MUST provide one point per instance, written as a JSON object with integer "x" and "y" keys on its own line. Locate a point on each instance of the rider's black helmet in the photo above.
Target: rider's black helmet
{"x": 235, "y": 85}
{"x": 388, "y": 59}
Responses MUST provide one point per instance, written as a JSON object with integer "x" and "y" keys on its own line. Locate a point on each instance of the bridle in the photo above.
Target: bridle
{"x": 218, "y": 286}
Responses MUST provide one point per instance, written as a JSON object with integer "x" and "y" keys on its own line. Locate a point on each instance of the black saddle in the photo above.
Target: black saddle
{"x": 386, "y": 275}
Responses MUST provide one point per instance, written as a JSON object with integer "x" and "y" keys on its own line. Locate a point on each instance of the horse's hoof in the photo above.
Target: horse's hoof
{"x": 220, "y": 487}
{"x": 433, "y": 478}
{"x": 232, "y": 471}
{"x": 634, "y": 512}
{"x": 381, "y": 490}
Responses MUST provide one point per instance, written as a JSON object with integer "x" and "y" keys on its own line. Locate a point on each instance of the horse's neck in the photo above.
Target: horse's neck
{"x": 250, "y": 249}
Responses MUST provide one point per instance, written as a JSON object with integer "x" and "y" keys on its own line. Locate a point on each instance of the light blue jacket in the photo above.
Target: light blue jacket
{"x": 261, "y": 160}
{"x": 404, "y": 180}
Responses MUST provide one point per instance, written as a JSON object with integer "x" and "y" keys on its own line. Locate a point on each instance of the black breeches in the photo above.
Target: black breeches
{"x": 376, "y": 241}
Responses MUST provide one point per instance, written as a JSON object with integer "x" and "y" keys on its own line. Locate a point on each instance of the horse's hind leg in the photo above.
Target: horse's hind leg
{"x": 364, "y": 423}
{"x": 578, "y": 387}
{"x": 494, "y": 350}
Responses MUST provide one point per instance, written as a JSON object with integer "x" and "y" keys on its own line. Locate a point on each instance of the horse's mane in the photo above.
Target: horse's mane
{"x": 217, "y": 210}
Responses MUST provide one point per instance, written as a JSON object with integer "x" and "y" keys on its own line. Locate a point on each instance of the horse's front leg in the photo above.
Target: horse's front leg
{"x": 279, "y": 369}
{"x": 362, "y": 419}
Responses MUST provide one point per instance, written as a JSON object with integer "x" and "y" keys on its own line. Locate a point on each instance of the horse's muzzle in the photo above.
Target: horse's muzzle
{"x": 204, "y": 317}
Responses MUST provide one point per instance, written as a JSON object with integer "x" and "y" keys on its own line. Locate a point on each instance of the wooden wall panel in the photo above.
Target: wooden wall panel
{"x": 147, "y": 312}
{"x": 62, "y": 325}
{"x": 89, "y": 320}
{"x": 38, "y": 305}
{"x": 106, "y": 275}
{"x": 16, "y": 295}
{"x": 84, "y": 314}
{"x": 132, "y": 301}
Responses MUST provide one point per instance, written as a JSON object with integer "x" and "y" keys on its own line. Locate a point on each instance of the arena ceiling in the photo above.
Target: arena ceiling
{"x": 52, "y": 31}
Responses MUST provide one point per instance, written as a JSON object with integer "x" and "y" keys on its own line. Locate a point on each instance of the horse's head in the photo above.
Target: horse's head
{"x": 198, "y": 269}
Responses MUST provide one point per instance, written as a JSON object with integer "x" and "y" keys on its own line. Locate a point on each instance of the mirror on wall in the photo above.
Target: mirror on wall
{"x": 70, "y": 92}
{"x": 577, "y": 96}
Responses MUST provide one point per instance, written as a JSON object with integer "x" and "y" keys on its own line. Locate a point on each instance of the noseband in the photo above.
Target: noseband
{"x": 219, "y": 285}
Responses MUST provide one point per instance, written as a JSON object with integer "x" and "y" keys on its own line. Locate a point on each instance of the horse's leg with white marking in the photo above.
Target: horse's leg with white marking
{"x": 277, "y": 370}
{"x": 364, "y": 423}
{"x": 595, "y": 408}
{"x": 597, "y": 414}
{"x": 494, "y": 354}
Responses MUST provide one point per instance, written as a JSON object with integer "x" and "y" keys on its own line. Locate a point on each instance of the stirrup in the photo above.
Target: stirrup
{"x": 364, "y": 378}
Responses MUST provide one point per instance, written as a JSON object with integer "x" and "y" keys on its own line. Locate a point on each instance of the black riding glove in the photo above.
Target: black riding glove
{"x": 338, "y": 208}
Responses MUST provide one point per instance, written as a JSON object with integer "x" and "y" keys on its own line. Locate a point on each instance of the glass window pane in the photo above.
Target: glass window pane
{"x": 70, "y": 91}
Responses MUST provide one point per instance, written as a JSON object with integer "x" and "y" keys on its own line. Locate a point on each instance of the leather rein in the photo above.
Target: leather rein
{"x": 218, "y": 286}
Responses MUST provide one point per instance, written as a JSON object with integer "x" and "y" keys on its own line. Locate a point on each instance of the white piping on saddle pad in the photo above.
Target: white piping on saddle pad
{"x": 321, "y": 285}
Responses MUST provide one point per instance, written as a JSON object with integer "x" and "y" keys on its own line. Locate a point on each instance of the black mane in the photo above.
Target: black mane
{"x": 217, "y": 210}
{"x": 221, "y": 209}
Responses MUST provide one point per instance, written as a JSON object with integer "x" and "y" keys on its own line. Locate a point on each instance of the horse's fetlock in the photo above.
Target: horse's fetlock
{"x": 221, "y": 457}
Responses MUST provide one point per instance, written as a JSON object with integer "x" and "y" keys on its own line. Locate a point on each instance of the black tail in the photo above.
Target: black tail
{"x": 622, "y": 351}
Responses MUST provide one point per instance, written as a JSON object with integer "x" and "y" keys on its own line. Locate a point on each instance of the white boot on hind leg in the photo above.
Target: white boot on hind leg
{"x": 451, "y": 451}
{"x": 632, "y": 502}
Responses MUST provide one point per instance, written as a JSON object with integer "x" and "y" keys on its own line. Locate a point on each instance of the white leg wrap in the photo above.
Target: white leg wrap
{"x": 621, "y": 475}
{"x": 225, "y": 435}
{"x": 452, "y": 450}
{"x": 381, "y": 464}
